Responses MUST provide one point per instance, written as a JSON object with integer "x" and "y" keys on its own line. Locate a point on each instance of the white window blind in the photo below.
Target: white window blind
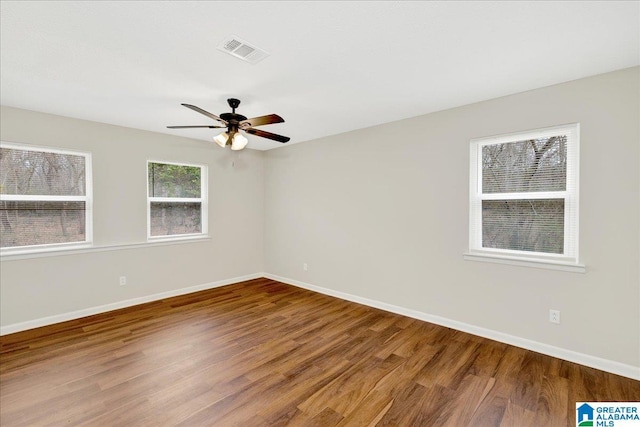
{"x": 524, "y": 194}
{"x": 177, "y": 200}
{"x": 45, "y": 198}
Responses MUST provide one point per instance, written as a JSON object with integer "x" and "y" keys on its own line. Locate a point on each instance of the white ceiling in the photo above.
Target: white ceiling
{"x": 334, "y": 66}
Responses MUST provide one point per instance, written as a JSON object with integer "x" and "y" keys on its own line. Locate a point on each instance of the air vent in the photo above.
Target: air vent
{"x": 239, "y": 48}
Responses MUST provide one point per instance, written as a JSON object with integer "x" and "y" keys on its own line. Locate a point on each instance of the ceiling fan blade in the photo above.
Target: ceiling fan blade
{"x": 206, "y": 113}
{"x": 262, "y": 120}
{"x": 269, "y": 135}
{"x": 195, "y": 126}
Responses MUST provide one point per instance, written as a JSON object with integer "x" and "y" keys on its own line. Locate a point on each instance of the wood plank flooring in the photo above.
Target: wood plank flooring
{"x": 262, "y": 353}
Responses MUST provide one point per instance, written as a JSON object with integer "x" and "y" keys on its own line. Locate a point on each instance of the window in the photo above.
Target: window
{"x": 524, "y": 195}
{"x": 177, "y": 200}
{"x": 45, "y": 198}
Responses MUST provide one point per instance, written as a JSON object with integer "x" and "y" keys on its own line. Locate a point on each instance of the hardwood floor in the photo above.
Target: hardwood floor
{"x": 262, "y": 353}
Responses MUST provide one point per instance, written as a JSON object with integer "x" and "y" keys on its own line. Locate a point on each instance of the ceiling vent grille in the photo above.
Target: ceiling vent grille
{"x": 234, "y": 45}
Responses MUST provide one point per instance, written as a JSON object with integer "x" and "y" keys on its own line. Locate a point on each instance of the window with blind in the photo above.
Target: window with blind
{"x": 177, "y": 200}
{"x": 524, "y": 195}
{"x": 45, "y": 199}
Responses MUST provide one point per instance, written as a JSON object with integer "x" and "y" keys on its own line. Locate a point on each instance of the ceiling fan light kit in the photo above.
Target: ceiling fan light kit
{"x": 235, "y": 124}
{"x": 239, "y": 142}
{"x": 221, "y": 139}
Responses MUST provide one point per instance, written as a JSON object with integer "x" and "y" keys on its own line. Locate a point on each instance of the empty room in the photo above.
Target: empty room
{"x": 288, "y": 213}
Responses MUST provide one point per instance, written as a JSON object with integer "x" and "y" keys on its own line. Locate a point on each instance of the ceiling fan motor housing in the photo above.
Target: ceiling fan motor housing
{"x": 232, "y": 118}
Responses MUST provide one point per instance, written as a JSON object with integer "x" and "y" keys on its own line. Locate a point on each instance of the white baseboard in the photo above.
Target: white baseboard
{"x": 50, "y": 320}
{"x": 606, "y": 365}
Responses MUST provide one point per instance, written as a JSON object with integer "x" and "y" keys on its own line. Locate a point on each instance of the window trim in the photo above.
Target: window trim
{"x": 569, "y": 259}
{"x": 87, "y": 199}
{"x": 203, "y": 200}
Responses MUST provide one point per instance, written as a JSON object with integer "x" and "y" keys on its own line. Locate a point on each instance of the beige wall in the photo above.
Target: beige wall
{"x": 35, "y": 288}
{"x": 381, "y": 213}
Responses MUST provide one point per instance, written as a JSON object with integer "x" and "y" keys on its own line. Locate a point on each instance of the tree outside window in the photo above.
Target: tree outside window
{"x": 176, "y": 199}
{"x": 45, "y": 198}
{"x": 524, "y": 190}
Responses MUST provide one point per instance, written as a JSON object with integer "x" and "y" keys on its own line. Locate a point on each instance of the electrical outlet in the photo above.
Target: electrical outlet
{"x": 123, "y": 280}
{"x": 304, "y": 266}
{"x": 554, "y": 316}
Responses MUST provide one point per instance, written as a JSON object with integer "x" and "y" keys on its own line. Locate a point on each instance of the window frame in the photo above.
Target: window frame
{"x": 87, "y": 199}
{"x": 569, "y": 259}
{"x": 203, "y": 200}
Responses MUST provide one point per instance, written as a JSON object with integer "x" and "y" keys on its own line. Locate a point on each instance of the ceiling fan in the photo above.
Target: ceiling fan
{"x": 235, "y": 123}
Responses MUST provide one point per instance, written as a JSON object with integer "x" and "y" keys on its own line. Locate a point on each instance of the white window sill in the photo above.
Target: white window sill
{"x": 42, "y": 253}
{"x": 526, "y": 262}
{"x": 176, "y": 237}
